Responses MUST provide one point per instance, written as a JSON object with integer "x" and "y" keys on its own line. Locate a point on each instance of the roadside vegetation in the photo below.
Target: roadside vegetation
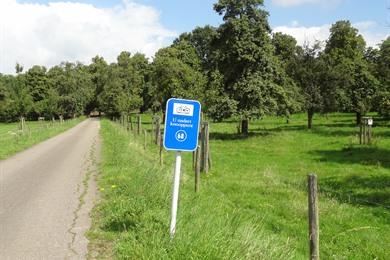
{"x": 13, "y": 140}
{"x": 253, "y": 203}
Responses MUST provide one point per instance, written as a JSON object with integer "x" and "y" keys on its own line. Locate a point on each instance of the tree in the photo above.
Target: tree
{"x": 345, "y": 54}
{"x": 309, "y": 71}
{"x": 201, "y": 39}
{"x": 177, "y": 73}
{"x": 383, "y": 74}
{"x": 4, "y": 98}
{"x": 37, "y": 84}
{"x": 21, "y": 102}
{"x": 74, "y": 85}
{"x": 285, "y": 48}
{"x": 99, "y": 77}
{"x": 252, "y": 76}
{"x": 50, "y": 104}
{"x": 122, "y": 93}
{"x": 142, "y": 67}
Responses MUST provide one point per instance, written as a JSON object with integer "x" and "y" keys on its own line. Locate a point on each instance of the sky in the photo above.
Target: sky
{"x": 47, "y": 32}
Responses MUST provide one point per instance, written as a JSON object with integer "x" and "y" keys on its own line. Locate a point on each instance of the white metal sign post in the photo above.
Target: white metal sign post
{"x": 175, "y": 195}
{"x": 181, "y": 134}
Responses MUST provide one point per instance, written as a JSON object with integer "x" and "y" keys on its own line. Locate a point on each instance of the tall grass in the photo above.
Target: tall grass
{"x": 13, "y": 140}
{"x": 253, "y": 204}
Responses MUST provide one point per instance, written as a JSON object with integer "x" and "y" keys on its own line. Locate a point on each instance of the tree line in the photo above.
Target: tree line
{"x": 240, "y": 69}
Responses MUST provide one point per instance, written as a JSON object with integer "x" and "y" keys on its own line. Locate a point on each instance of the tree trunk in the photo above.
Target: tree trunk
{"x": 245, "y": 126}
{"x": 163, "y": 118}
{"x": 310, "y": 114}
{"x": 358, "y": 118}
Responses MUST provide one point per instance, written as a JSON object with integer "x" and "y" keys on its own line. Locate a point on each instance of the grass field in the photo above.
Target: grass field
{"x": 253, "y": 203}
{"x": 12, "y": 140}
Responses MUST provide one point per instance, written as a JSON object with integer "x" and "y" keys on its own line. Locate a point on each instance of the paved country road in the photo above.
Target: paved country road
{"x": 46, "y": 194}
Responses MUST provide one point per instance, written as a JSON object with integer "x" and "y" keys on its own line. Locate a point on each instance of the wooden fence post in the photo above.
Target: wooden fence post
{"x": 364, "y": 133}
{"x": 22, "y": 126}
{"x": 313, "y": 217}
{"x": 158, "y": 131}
{"x": 193, "y": 159}
{"x": 138, "y": 124}
{"x": 365, "y": 130}
{"x": 205, "y": 147}
{"x": 161, "y": 149}
{"x": 369, "y": 134}
{"x": 131, "y": 123}
{"x": 197, "y": 169}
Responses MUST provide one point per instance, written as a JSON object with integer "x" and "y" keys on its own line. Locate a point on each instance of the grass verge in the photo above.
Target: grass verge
{"x": 253, "y": 204}
{"x": 12, "y": 140}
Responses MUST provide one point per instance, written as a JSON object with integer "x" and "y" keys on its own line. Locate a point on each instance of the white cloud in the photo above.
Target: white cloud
{"x": 288, "y": 3}
{"x": 305, "y": 34}
{"x": 371, "y": 31}
{"x": 66, "y": 31}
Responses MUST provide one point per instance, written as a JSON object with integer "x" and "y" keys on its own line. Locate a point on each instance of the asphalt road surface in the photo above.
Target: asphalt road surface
{"x": 46, "y": 195}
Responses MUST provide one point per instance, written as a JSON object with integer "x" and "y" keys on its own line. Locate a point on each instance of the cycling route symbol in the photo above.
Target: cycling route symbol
{"x": 181, "y": 135}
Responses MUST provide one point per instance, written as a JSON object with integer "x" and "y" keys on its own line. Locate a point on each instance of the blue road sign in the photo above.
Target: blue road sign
{"x": 181, "y": 125}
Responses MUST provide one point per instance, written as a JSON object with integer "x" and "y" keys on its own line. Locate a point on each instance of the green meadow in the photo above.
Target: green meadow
{"x": 13, "y": 140}
{"x": 253, "y": 203}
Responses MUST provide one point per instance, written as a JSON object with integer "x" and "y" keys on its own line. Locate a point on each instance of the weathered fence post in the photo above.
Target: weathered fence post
{"x": 193, "y": 159}
{"x": 197, "y": 168}
{"x": 364, "y": 133}
{"x": 127, "y": 123}
{"x": 131, "y": 123}
{"x": 22, "y": 123}
{"x": 313, "y": 217}
{"x": 138, "y": 124}
{"x": 161, "y": 149}
{"x": 369, "y": 134}
{"x": 365, "y": 130}
{"x": 205, "y": 147}
{"x": 158, "y": 131}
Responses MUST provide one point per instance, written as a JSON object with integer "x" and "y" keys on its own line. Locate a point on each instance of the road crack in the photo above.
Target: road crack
{"x": 90, "y": 169}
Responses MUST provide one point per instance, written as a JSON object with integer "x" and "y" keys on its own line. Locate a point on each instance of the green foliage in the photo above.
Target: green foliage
{"x": 383, "y": 73}
{"x": 74, "y": 86}
{"x": 122, "y": 93}
{"x": 176, "y": 72}
{"x": 253, "y": 78}
{"x": 20, "y": 102}
{"x": 99, "y": 77}
{"x": 218, "y": 105}
{"x": 201, "y": 38}
{"x": 352, "y": 76}
{"x": 285, "y": 48}
{"x": 309, "y": 73}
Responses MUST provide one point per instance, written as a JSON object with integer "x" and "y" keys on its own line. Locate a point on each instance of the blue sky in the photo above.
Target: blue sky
{"x": 47, "y": 32}
{"x": 184, "y": 15}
